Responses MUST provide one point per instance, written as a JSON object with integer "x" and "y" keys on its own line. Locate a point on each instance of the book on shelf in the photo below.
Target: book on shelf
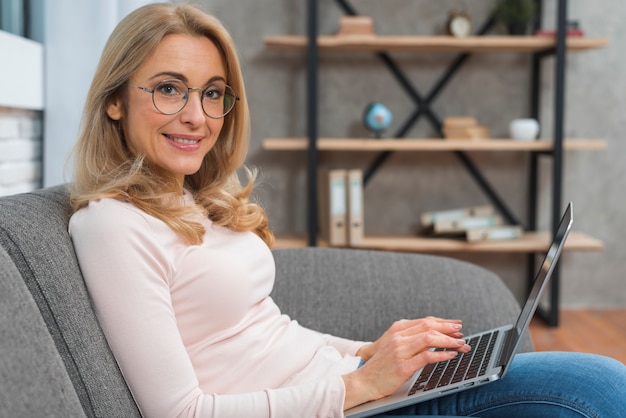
{"x": 494, "y": 233}
{"x": 461, "y": 225}
{"x": 428, "y": 218}
{"x": 332, "y": 200}
{"x": 472, "y": 223}
{"x": 355, "y": 206}
{"x": 464, "y": 127}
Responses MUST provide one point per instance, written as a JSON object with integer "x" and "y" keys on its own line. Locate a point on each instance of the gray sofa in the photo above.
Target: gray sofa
{"x": 54, "y": 359}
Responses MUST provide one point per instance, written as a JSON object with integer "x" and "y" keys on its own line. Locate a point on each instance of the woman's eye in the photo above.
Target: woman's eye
{"x": 168, "y": 89}
{"x": 214, "y": 92}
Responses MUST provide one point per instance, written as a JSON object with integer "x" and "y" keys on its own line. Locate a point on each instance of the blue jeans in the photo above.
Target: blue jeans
{"x": 540, "y": 384}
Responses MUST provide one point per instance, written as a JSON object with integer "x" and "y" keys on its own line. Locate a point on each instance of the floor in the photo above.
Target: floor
{"x": 590, "y": 331}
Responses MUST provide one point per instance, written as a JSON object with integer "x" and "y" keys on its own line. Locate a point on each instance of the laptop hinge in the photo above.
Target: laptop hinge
{"x": 507, "y": 347}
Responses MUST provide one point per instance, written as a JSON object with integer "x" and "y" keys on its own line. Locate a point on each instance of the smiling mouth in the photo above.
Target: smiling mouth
{"x": 183, "y": 141}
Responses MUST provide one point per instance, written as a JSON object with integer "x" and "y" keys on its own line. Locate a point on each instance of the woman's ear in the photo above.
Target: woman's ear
{"x": 114, "y": 109}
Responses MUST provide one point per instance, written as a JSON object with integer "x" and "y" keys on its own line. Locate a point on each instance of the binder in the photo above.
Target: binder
{"x": 496, "y": 233}
{"x": 355, "y": 207}
{"x": 333, "y": 206}
{"x": 429, "y": 218}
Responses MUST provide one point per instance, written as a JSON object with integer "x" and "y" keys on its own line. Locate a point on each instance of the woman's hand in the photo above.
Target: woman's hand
{"x": 451, "y": 327}
{"x": 402, "y": 350}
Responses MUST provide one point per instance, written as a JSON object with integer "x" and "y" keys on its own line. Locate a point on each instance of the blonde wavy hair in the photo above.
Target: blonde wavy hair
{"x": 104, "y": 167}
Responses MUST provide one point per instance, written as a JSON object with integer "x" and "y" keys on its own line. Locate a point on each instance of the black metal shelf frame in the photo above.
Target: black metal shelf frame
{"x": 423, "y": 109}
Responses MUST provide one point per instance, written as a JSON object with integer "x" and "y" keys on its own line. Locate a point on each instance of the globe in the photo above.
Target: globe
{"x": 377, "y": 117}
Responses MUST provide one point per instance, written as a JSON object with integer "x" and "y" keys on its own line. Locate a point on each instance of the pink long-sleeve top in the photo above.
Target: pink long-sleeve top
{"x": 193, "y": 327}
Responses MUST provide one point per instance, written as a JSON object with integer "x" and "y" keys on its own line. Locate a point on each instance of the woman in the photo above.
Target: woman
{"x": 176, "y": 257}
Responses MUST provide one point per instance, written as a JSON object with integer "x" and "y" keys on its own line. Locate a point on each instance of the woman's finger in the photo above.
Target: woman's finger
{"x": 445, "y": 326}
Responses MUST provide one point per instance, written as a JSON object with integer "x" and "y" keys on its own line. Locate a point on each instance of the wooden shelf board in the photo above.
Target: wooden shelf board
{"x": 365, "y": 144}
{"x": 530, "y": 242}
{"x": 376, "y": 43}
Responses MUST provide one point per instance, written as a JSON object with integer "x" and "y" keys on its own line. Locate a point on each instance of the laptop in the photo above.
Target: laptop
{"x": 491, "y": 354}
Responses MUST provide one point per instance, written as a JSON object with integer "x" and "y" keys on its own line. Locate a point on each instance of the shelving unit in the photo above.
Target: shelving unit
{"x": 540, "y": 47}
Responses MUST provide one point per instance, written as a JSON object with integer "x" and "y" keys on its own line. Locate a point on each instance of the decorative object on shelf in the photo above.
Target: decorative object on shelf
{"x": 573, "y": 31}
{"x": 516, "y": 15}
{"x": 459, "y": 24}
{"x": 464, "y": 127}
{"x": 376, "y": 118}
{"x": 524, "y": 129}
{"x": 355, "y": 25}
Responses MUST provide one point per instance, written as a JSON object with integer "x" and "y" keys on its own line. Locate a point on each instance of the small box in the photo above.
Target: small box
{"x": 469, "y": 132}
{"x": 464, "y": 127}
{"x": 459, "y": 121}
{"x": 356, "y": 25}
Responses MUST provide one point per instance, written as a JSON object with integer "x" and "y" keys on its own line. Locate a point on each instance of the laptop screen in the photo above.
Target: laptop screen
{"x": 544, "y": 273}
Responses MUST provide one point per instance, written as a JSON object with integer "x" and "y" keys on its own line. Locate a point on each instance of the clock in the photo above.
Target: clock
{"x": 459, "y": 24}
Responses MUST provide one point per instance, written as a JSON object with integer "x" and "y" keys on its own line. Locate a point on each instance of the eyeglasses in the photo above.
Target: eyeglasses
{"x": 170, "y": 97}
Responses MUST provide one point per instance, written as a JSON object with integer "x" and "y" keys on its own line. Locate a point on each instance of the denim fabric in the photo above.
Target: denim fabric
{"x": 542, "y": 384}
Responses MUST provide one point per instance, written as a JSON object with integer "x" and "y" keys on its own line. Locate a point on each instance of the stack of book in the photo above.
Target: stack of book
{"x": 464, "y": 127}
{"x": 340, "y": 198}
{"x": 474, "y": 223}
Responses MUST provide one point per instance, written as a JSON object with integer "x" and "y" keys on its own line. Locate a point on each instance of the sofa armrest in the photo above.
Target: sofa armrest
{"x": 34, "y": 380}
{"x": 357, "y": 294}
{"x": 33, "y": 232}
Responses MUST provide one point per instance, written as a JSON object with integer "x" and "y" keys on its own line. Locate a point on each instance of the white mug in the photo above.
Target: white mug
{"x": 525, "y": 129}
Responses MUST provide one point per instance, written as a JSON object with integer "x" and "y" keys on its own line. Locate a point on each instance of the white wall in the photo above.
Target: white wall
{"x": 21, "y": 72}
{"x": 75, "y": 33}
{"x": 21, "y": 101}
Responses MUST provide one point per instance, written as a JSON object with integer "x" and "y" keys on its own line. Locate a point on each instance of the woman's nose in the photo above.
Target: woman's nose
{"x": 193, "y": 110}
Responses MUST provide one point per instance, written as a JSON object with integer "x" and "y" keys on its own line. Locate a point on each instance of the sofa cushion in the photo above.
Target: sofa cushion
{"x": 33, "y": 230}
{"x": 357, "y": 294}
{"x": 33, "y": 380}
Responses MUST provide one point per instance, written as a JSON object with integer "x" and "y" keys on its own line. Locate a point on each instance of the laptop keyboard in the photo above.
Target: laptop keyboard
{"x": 465, "y": 366}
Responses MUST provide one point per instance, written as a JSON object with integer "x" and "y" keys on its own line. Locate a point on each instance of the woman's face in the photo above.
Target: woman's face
{"x": 174, "y": 143}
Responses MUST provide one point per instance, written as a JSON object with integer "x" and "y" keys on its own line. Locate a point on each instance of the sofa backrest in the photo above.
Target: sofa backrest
{"x": 33, "y": 231}
{"x": 33, "y": 379}
{"x": 361, "y": 292}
